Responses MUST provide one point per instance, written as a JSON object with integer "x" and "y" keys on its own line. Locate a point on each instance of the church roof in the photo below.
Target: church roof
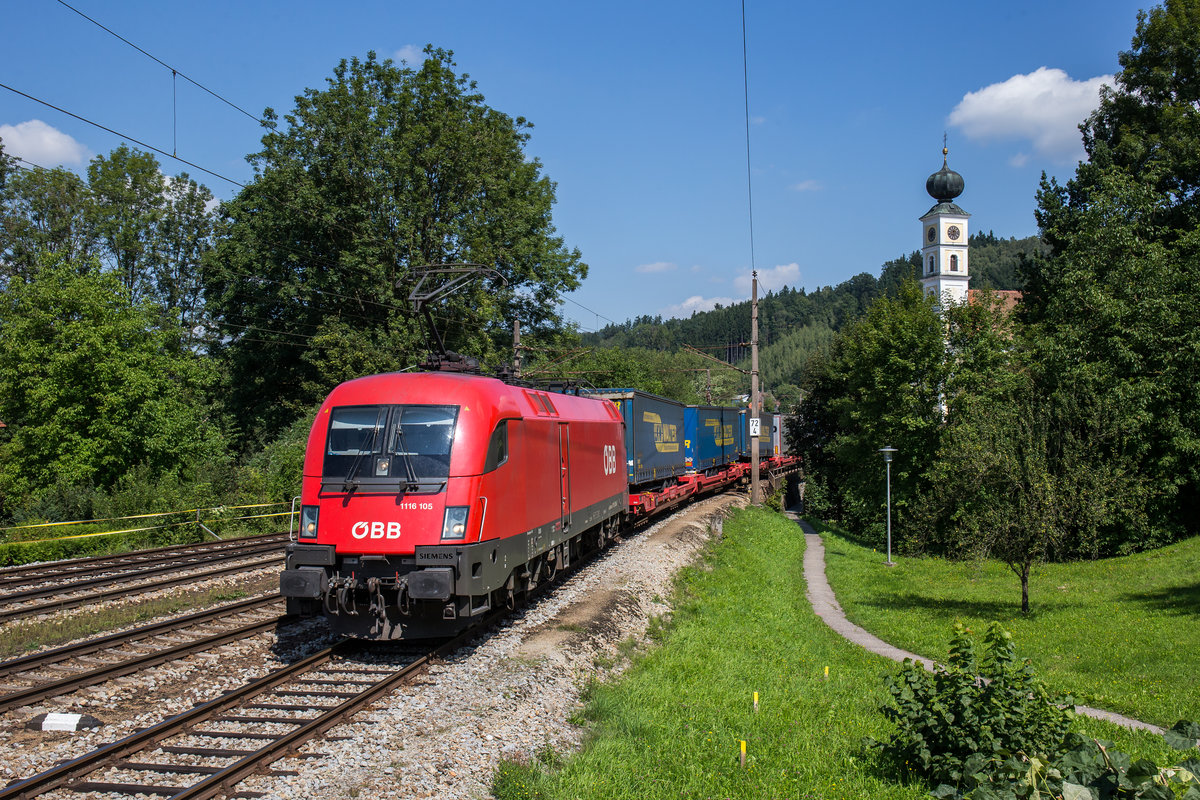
{"x": 1008, "y": 297}
{"x": 945, "y": 184}
{"x": 945, "y": 208}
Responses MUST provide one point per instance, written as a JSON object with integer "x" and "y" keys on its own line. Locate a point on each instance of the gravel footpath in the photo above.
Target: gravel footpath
{"x": 513, "y": 693}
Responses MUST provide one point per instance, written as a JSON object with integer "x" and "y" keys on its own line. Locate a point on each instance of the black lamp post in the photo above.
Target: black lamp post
{"x": 887, "y": 459}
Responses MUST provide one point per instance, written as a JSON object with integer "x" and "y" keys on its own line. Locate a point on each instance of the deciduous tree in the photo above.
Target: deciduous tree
{"x": 882, "y": 385}
{"x": 386, "y": 169}
{"x": 1114, "y": 301}
{"x": 93, "y": 387}
{"x": 44, "y": 211}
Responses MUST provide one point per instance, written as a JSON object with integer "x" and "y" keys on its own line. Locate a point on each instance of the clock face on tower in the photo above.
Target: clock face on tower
{"x": 953, "y": 232}
{"x": 931, "y": 234}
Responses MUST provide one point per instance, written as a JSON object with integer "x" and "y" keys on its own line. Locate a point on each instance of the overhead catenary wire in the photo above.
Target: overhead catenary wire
{"x": 591, "y": 311}
{"x": 174, "y": 70}
{"x": 138, "y": 142}
{"x": 746, "y": 94}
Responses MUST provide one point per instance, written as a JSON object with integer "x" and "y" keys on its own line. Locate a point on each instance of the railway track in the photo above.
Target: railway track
{"x": 207, "y": 751}
{"x": 12, "y": 578}
{"x": 23, "y": 680}
{"x": 32, "y": 594}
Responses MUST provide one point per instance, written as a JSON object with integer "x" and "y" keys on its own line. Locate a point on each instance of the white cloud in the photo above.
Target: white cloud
{"x": 410, "y": 53}
{"x": 806, "y": 186}
{"x": 1044, "y": 107}
{"x": 693, "y": 304}
{"x": 38, "y": 142}
{"x": 657, "y": 266}
{"x": 770, "y": 279}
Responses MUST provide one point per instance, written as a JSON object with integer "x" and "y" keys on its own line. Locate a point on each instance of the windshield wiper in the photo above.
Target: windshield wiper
{"x": 403, "y": 453}
{"x": 349, "y": 484}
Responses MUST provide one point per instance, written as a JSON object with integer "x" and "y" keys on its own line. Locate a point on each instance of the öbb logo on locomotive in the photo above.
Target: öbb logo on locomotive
{"x": 376, "y": 530}
{"x": 610, "y": 459}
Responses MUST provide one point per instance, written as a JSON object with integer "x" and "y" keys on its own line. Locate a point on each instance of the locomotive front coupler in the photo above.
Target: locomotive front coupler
{"x": 339, "y": 595}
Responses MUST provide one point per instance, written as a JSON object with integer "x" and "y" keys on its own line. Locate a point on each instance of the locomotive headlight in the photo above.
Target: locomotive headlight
{"x": 308, "y": 521}
{"x": 455, "y": 524}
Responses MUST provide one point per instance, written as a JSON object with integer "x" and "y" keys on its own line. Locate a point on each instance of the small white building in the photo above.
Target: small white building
{"x": 944, "y": 239}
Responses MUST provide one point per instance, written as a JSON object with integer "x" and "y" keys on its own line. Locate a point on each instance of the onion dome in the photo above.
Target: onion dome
{"x": 945, "y": 184}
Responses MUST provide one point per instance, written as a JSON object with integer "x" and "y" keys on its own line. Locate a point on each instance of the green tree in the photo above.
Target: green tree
{"x": 384, "y": 170}
{"x": 44, "y": 211}
{"x": 1017, "y": 479}
{"x": 185, "y": 234}
{"x": 1114, "y": 300}
{"x": 882, "y": 384}
{"x": 128, "y": 206}
{"x": 7, "y": 165}
{"x": 92, "y": 387}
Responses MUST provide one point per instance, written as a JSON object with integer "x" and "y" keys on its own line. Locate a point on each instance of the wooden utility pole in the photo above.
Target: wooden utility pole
{"x": 755, "y": 402}
{"x": 517, "y": 348}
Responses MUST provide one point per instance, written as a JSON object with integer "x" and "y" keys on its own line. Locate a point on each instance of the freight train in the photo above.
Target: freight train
{"x": 429, "y": 499}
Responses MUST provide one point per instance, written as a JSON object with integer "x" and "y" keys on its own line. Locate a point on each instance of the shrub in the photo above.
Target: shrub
{"x": 968, "y": 717}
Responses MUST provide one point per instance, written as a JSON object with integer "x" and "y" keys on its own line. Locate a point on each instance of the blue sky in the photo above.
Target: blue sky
{"x": 639, "y": 114}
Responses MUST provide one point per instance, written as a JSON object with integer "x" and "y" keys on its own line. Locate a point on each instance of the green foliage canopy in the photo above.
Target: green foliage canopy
{"x": 1114, "y": 301}
{"x": 882, "y": 384}
{"x": 92, "y": 387}
{"x": 386, "y": 169}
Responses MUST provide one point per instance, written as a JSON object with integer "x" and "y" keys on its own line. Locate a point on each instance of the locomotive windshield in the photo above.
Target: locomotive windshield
{"x": 386, "y": 445}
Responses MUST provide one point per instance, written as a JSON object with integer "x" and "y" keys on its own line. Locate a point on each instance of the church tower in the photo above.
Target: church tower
{"x": 944, "y": 239}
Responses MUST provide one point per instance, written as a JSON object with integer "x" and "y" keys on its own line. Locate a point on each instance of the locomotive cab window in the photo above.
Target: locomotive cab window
{"x": 497, "y": 452}
{"x": 390, "y": 445}
{"x": 354, "y": 430}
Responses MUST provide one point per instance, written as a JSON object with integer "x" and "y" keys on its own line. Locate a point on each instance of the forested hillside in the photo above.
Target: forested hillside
{"x": 794, "y": 323}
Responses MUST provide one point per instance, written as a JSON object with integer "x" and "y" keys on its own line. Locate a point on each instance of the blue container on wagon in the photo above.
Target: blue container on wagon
{"x": 709, "y": 439}
{"x": 654, "y": 434}
{"x": 735, "y": 448}
{"x": 702, "y": 439}
{"x": 766, "y": 429}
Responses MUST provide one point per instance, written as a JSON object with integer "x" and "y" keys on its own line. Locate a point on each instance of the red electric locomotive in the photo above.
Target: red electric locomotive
{"x": 429, "y": 498}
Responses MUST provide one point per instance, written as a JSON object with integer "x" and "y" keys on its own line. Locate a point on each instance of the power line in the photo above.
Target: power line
{"x": 32, "y": 166}
{"x": 174, "y": 71}
{"x": 122, "y": 135}
{"x": 746, "y": 92}
{"x": 585, "y": 308}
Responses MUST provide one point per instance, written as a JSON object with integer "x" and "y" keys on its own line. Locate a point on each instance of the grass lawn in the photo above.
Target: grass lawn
{"x": 671, "y": 726}
{"x": 1121, "y": 634}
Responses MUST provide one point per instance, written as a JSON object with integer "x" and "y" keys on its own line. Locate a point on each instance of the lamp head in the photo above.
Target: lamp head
{"x": 887, "y": 452}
